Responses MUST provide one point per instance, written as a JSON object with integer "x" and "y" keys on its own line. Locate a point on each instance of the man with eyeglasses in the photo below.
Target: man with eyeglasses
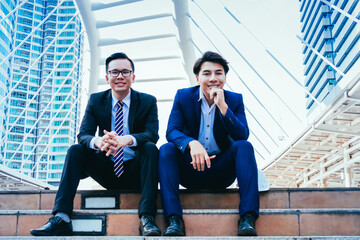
{"x": 123, "y": 156}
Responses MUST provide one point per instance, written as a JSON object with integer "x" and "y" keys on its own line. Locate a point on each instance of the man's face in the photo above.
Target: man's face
{"x": 211, "y": 75}
{"x": 120, "y": 84}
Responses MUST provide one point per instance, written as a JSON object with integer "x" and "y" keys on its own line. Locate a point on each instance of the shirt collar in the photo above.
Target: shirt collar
{"x": 203, "y": 100}
{"x": 126, "y": 100}
{"x": 201, "y": 95}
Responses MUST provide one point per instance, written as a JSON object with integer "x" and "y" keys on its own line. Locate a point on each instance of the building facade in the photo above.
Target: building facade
{"x": 332, "y": 35}
{"x": 6, "y": 31}
{"x": 43, "y": 87}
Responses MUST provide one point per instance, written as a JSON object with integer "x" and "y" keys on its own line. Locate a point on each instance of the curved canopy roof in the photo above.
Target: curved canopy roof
{"x": 259, "y": 40}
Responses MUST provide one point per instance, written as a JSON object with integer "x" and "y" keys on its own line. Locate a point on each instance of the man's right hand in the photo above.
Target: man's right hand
{"x": 102, "y": 142}
{"x": 199, "y": 156}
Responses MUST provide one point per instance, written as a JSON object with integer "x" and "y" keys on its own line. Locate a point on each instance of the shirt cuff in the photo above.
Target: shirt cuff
{"x": 134, "y": 141}
{"x": 92, "y": 145}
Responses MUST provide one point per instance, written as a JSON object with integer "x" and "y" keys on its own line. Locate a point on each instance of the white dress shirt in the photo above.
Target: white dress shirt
{"x": 128, "y": 152}
{"x": 206, "y": 133}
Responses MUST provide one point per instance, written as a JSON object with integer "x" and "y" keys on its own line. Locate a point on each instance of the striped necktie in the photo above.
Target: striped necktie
{"x": 119, "y": 129}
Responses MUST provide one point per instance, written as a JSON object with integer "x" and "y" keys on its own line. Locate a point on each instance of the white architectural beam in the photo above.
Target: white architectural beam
{"x": 99, "y": 6}
{"x": 102, "y": 81}
{"x": 12, "y": 176}
{"x": 112, "y": 41}
{"x": 136, "y": 60}
{"x": 182, "y": 23}
{"x": 332, "y": 129}
{"x": 93, "y": 36}
{"x": 329, "y": 172}
{"x": 104, "y": 24}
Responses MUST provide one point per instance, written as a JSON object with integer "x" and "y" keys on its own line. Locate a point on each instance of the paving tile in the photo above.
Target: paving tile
{"x": 277, "y": 225}
{"x": 8, "y": 225}
{"x": 210, "y": 200}
{"x": 19, "y": 201}
{"x": 77, "y": 201}
{"x": 274, "y": 199}
{"x": 128, "y": 224}
{"x": 227, "y": 225}
{"x": 329, "y": 224}
{"x": 160, "y": 222}
{"x": 28, "y": 222}
{"x": 122, "y": 225}
{"x": 325, "y": 199}
{"x": 48, "y": 200}
{"x": 129, "y": 200}
{"x": 211, "y": 225}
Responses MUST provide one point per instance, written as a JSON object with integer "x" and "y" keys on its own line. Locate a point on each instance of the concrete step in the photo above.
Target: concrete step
{"x": 199, "y": 222}
{"x": 192, "y": 238}
{"x": 283, "y": 198}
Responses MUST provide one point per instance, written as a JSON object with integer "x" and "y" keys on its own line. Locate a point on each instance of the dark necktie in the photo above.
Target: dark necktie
{"x": 119, "y": 129}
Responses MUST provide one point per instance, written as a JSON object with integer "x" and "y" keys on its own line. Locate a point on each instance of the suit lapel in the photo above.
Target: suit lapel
{"x": 108, "y": 108}
{"x": 197, "y": 106}
{"x": 218, "y": 127}
{"x": 217, "y": 113}
{"x": 133, "y": 106}
{"x": 217, "y": 119}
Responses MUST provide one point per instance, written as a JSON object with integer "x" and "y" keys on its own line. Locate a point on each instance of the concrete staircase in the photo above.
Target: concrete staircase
{"x": 285, "y": 214}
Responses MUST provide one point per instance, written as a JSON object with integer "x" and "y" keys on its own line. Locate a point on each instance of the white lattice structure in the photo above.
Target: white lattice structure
{"x": 164, "y": 37}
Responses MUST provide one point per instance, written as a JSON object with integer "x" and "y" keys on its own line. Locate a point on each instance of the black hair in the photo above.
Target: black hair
{"x": 119, "y": 55}
{"x": 210, "y": 57}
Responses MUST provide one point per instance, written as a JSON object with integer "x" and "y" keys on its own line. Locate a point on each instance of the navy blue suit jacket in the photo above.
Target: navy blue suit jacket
{"x": 143, "y": 117}
{"x": 184, "y": 120}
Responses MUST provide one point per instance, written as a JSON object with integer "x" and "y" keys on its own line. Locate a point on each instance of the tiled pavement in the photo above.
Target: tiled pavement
{"x": 284, "y": 212}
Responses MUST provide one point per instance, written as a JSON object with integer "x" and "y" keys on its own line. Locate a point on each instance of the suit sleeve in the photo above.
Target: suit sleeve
{"x": 235, "y": 122}
{"x": 174, "y": 132}
{"x": 150, "y": 125}
{"x": 88, "y": 125}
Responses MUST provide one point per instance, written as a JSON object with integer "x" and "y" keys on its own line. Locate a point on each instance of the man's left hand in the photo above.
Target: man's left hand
{"x": 219, "y": 99}
{"x": 118, "y": 142}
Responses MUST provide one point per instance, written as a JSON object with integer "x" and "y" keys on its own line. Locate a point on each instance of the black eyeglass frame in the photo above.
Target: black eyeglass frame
{"x": 111, "y": 73}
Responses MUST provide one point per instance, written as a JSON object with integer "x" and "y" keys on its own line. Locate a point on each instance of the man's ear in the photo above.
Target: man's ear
{"x": 197, "y": 78}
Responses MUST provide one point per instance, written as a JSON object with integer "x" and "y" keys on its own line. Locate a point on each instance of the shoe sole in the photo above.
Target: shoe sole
{"x": 174, "y": 234}
{"x": 247, "y": 232}
{"x": 150, "y": 234}
{"x": 44, "y": 234}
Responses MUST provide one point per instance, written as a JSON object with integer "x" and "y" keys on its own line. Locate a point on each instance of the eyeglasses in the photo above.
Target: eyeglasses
{"x": 124, "y": 73}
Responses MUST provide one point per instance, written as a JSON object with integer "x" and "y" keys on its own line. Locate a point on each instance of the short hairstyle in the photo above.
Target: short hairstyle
{"x": 119, "y": 55}
{"x": 210, "y": 57}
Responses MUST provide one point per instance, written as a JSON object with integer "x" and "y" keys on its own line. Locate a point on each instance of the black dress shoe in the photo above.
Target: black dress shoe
{"x": 148, "y": 226}
{"x": 56, "y": 226}
{"x": 247, "y": 225}
{"x": 176, "y": 226}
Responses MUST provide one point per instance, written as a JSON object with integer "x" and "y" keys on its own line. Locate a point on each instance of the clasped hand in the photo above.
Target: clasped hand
{"x": 111, "y": 142}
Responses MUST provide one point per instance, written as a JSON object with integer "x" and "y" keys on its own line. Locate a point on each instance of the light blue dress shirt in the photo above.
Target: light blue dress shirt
{"x": 206, "y": 133}
{"x": 128, "y": 152}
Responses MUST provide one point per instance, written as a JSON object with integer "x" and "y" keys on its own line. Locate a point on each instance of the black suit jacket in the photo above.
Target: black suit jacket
{"x": 143, "y": 117}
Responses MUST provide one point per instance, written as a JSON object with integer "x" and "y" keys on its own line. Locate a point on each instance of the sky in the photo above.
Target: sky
{"x": 267, "y": 28}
